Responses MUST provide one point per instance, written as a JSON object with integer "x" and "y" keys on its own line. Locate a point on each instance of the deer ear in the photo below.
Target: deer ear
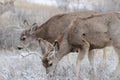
{"x": 42, "y": 45}
{"x": 45, "y": 46}
{"x": 34, "y": 27}
{"x": 26, "y": 24}
{"x": 56, "y": 45}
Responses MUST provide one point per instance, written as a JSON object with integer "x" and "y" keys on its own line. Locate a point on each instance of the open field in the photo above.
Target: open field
{"x": 13, "y": 64}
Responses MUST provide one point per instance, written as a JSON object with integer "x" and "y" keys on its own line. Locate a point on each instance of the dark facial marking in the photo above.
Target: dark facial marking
{"x": 23, "y": 38}
{"x": 45, "y": 62}
{"x": 84, "y": 34}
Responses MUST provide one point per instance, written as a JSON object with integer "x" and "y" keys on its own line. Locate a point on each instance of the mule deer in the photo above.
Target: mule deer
{"x": 53, "y": 27}
{"x": 94, "y": 32}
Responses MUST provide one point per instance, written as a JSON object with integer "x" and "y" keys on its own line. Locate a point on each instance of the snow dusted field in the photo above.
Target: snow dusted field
{"x": 14, "y": 66}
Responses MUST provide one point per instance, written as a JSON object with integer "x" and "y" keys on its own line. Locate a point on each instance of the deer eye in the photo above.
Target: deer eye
{"x": 50, "y": 64}
{"x": 23, "y": 38}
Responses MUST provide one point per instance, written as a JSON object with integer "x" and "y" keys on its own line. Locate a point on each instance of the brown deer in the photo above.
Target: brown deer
{"x": 52, "y": 28}
{"x": 94, "y": 32}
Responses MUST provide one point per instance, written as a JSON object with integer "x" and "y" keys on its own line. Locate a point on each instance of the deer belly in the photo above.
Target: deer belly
{"x": 99, "y": 40}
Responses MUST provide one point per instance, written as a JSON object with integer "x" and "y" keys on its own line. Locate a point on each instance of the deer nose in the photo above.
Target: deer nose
{"x": 19, "y": 48}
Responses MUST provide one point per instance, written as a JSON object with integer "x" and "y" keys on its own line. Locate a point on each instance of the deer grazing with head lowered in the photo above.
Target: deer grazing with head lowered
{"x": 52, "y": 28}
{"x": 94, "y": 32}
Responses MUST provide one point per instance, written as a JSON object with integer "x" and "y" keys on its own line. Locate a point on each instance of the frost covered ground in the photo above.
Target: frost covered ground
{"x": 14, "y": 66}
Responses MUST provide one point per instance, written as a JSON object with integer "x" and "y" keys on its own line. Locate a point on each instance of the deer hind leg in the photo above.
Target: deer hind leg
{"x": 82, "y": 52}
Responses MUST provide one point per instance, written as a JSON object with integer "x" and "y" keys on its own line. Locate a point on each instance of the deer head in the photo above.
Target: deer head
{"x": 27, "y": 35}
{"x": 49, "y": 60}
{"x": 48, "y": 50}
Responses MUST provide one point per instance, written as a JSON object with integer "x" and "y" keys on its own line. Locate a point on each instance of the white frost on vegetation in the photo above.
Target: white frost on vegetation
{"x": 13, "y": 66}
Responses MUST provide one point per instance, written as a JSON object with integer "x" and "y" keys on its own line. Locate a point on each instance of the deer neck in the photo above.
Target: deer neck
{"x": 40, "y": 33}
{"x": 65, "y": 49}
